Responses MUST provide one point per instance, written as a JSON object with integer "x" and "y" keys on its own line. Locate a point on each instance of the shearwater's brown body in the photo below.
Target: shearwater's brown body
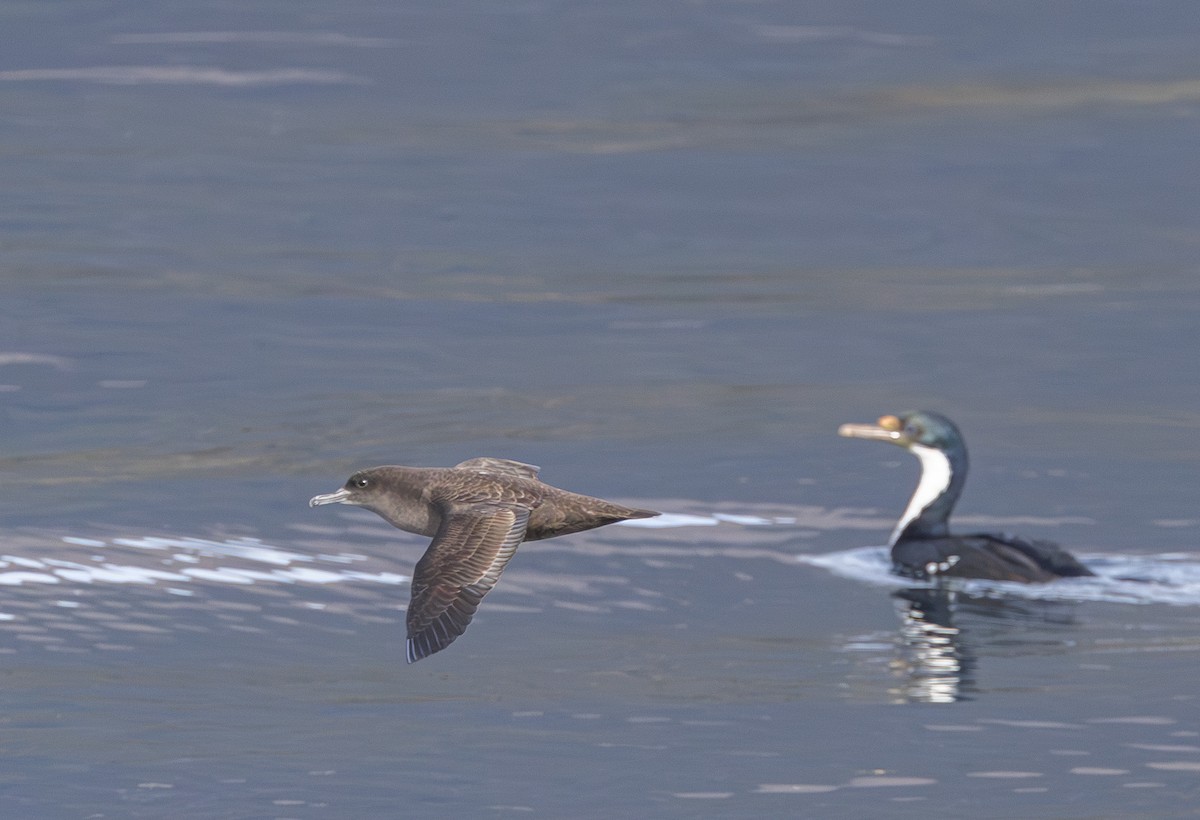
{"x": 477, "y": 513}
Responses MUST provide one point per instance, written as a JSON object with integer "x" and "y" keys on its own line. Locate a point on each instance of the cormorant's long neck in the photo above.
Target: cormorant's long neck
{"x": 942, "y": 477}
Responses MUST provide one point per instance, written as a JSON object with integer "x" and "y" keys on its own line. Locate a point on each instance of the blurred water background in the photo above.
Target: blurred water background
{"x": 663, "y": 250}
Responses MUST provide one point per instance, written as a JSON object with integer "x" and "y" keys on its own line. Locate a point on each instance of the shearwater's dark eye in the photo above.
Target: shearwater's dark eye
{"x": 361, "y": 482}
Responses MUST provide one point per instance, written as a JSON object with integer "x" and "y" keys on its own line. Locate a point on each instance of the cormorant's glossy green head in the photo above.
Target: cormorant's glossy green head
{"x": 936, "y": 442}
{"x": 917, "y": 427}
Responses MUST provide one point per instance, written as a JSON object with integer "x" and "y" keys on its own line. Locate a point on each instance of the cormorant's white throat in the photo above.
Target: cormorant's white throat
{"x": 935, "y": 479}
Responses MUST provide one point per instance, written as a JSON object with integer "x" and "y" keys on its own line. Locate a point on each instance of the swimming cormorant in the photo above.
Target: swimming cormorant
{"x": 921, "y": 543}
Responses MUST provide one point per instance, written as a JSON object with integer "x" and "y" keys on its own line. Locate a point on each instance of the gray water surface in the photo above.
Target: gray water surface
{"x": 662, "y": 251}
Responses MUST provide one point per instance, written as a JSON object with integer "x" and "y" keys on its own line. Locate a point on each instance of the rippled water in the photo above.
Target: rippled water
{"x": 1172, "y": 578}
{"x": 269, "y": 676}
{"x": 662, "y": 251}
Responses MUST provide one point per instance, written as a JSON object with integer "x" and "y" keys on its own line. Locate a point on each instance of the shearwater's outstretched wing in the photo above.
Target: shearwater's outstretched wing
{"x": 470, "y": 550}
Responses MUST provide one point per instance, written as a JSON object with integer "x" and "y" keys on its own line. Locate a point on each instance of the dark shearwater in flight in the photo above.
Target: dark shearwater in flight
{"x": 477, "y": 513}
{"x": 922, "y": 546}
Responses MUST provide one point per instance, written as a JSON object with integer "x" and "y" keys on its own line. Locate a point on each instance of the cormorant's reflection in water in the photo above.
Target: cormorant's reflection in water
{"x": 943, "y": 631}
{"x": 937, "y": 662}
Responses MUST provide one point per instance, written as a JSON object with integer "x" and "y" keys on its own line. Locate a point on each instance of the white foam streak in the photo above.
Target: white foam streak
{"x": 19, "y": 561}
{"x": 83, "y": 542}
{"x": 192, "y": 551}
{"x": 671, "y": 520}
{"x": 667, "y": 520}
{"x": 116, "y": 574}
{"x": 379, "y": 577}
{"x": 249, "y": 548}
{"x": 745, "y": 520}
{"x": 18, "y": 578}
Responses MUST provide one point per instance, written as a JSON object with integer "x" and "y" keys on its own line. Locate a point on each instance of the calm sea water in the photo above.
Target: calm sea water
{"x": 662, "y": 250}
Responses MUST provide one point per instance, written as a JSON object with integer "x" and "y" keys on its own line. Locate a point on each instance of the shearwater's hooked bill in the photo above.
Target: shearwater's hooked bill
{"x": 477, "y": 513}
{"x": 922, "y": 546}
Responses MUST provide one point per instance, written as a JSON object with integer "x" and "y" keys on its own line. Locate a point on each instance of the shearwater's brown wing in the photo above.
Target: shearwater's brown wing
{"x": 462, "y": 564}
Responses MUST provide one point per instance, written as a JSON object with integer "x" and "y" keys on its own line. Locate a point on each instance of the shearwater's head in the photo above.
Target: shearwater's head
{"x": 360, "y": 489}
{"x": 395, "y": 493}
{"x": 933, "y": 439}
